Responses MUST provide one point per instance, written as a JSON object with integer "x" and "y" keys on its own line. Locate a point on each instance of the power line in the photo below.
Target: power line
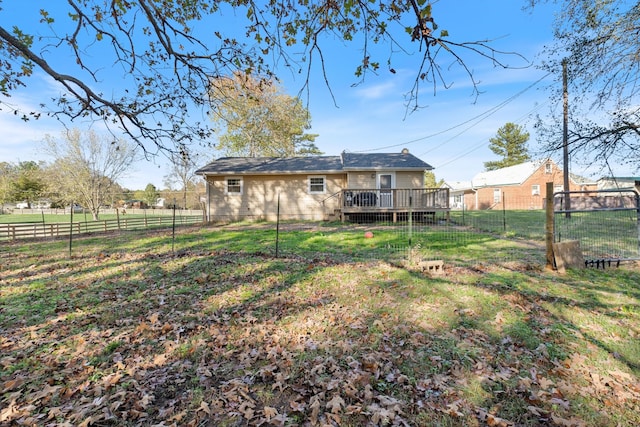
{"x": 483, "y": 142}
{"x": 477, "y": 120}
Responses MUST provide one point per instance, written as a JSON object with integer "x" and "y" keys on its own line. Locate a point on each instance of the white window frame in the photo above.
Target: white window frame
{"x": 309, "y": 184}
{"x": 548, "y": 168}
{"x": 226, "y": 186}
{"x": 497, "y": 195}
{"x": 535, "y": 190}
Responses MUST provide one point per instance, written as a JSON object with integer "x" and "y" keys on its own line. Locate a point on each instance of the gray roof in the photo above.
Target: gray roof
{"x": 314, "y": 164}
{"x": 270, "y": 165}
{"x": 383, "y": 161}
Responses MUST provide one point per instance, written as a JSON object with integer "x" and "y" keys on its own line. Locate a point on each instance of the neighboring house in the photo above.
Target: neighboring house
{"x": 457, "y": 190}
{"x": 519, "y": 187}
{"x": 133, "y": 204}
{"x": 42, "y": 204}
{"x": 39, "y": 204}
{"x": 619, "y": 183}
{"x": 318, "y": 187}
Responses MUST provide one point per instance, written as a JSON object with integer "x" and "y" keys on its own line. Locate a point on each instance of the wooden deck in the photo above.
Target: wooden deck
{"x": 397, "y": 204}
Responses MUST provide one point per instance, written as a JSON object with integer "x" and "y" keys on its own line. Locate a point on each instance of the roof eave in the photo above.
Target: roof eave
{"x": 231, "y": 172}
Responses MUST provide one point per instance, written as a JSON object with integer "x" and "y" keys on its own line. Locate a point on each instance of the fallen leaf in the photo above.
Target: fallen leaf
{"x": 204, "y": 406}
{"x": 270, "y": 412}
{"x": 336, "y": 404}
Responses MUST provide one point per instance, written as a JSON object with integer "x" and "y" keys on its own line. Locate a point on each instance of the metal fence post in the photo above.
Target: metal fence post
{"x": 504, "y": 213}
{"x": 70, "y": 229}
{"x": 173, "y": 227}
{"x": 278, "y": 225}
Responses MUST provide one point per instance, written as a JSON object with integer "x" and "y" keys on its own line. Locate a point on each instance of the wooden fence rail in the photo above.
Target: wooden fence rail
{"x": 40, "y": 229}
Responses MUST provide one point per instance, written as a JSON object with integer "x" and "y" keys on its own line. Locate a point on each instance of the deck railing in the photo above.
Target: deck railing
{"x": 395, "y": 199}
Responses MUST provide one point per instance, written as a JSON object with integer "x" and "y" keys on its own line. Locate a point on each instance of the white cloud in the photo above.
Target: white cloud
{"x": 377, "y": 91}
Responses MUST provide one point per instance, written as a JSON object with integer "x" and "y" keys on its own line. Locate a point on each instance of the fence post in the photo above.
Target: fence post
{"x": 278, "y": 226}
{"x": 70, "y": 229}
{"x": 173, "y": 227}
{"x": 550, "y": 231}
{"x": 410, "y": 220}
{"x": 504, "y": 213}
{"x": 638, "y": 218}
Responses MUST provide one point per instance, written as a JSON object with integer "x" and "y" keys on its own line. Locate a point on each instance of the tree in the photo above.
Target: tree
{"x": 87, "y": 166}
{"x": 27, "y": 183}
{"x": 511, "y": 144}
{"x": 256, "y": 119}
{"x": 150, "y": 195}
{"x": 7, "y": 176}
{"x": 165, "y": 54}
{"x": 430, "y": 180}
{"x": 599, "y": 42}
{"x": 183, "y": 166}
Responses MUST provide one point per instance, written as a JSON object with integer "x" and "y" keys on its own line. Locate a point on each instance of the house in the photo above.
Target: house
{"x": 160, "y": 203}
{"x": 133, "y": 204}
{"x": 520, "y": 186}
{"x": 319, "y": 187}
{"x": 457, "y": 190}
{"x": 619, "y": 183}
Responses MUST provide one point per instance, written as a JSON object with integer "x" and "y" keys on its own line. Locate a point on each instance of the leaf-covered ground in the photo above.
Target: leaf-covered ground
{"x": 205, "y": 337}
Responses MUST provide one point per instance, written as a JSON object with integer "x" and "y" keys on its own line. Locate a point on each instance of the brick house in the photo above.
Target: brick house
{"x": 519, "y": 187}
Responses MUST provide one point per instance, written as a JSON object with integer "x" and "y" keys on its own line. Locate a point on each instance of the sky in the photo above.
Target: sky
{"x": 451, "y": 131}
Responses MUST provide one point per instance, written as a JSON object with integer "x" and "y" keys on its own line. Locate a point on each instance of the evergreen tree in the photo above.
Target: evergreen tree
{"x": 511, "y": 144}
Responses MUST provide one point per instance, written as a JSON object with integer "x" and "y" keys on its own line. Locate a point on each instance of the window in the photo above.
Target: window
{"x": 233, "y": 186}
{"x": 548, "y": 168}
{"x": 496, "y": 195}
{"x": 316, "y": 185}
{"x": 535, "y": 190}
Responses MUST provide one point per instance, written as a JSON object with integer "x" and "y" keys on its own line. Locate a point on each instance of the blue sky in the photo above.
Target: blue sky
{"x": 451, "y": 132}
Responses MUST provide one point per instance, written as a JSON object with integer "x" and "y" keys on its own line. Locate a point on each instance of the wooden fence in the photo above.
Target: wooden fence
{"x": 54, "y": 230}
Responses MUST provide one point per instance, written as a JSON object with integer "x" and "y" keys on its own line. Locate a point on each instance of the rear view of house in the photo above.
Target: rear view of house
{"x": 316, "y": 187}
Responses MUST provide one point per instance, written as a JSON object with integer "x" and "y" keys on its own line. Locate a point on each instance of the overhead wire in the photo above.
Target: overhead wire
{"x": 483, "y": 143}
{"x": 476, "y": 119}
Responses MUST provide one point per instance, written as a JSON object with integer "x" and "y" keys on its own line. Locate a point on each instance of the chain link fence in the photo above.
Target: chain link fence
{"x": 606, "y": 223}
{"x": 514, "y": 234}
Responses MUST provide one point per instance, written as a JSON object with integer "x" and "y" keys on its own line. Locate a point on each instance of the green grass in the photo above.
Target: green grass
{"x": 221, "y": 332}
{"x": 522, "y": 223}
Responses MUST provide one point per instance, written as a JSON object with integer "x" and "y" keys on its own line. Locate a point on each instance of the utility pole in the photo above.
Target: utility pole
{"x": 565, "y": 139}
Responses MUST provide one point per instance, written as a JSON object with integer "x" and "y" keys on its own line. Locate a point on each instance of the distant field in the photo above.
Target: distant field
{"x": 79, "y": 217}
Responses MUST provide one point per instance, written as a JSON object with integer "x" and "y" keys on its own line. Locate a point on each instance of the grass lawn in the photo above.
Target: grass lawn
{"x": 222, "y": 333}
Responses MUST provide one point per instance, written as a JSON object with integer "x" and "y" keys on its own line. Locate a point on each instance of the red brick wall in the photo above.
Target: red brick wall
{"x": 520, "y": 196}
